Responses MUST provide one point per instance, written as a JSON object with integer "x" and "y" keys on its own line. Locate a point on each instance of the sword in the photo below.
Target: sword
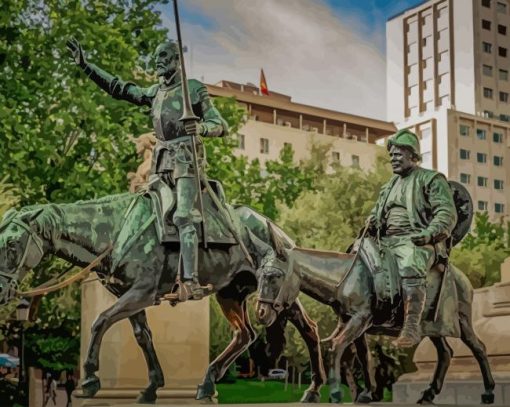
{"x": 188, "y": 115}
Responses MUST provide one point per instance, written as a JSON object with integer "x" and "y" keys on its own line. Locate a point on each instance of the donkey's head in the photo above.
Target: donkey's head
{"x": 20, "y": 250}
{"x": 278, "y": 288}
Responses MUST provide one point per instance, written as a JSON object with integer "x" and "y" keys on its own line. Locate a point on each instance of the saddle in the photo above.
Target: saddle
{"x": 164, "y": 204}
{"x": 441, "y": 298}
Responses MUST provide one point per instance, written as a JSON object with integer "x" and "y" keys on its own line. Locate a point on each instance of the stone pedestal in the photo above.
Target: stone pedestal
{"x": 181, "y": 340}
{"x": 463, "y": 384}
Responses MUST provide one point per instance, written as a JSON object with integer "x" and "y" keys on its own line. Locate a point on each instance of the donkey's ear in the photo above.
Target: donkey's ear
{"x": 277, "y": 243}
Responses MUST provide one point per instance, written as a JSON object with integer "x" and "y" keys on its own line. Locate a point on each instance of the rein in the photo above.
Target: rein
{"x": 43, "y": 289}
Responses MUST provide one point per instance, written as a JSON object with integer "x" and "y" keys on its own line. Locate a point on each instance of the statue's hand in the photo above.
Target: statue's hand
{"x": 76, "y": 52}
{"x": 421, "y": 239}
{"x": 194, "y": 128}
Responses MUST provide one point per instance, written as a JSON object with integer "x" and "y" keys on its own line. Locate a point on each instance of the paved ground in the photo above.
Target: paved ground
{"x": 292, "y": 405}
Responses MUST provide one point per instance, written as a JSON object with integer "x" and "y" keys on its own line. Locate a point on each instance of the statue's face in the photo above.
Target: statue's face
{"x": 166, "y": 59}
{"x": 402, "y": 160}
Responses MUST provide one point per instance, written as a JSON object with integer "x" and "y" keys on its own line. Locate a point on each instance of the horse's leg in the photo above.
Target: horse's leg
{"x": 143, "y": 336}
{"x": 133, "y": 301}
{"x": 309, "y": 332}
{"x": 444, "y": 357}
{"x": 469, "y": 337}
{"x": 367, "y": 365}
{"x": 353, "y": 329}
{"x": 235, "y": 311}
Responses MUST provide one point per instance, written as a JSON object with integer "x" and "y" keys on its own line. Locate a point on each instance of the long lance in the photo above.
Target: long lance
{"x": 188, "y": 115}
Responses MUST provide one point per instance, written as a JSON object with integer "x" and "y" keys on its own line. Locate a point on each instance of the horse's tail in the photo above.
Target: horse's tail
{"x": 335, "y": 332}
{"x": 464, "y": 291}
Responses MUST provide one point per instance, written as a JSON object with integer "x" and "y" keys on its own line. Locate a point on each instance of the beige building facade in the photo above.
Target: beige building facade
{"x": 274, "y": 121}
{"x": 447, "y": 78}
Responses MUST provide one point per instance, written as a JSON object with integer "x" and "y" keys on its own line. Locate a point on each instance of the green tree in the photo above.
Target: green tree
{"x": 482, "y": 251}
{"x": 62, "y": 138}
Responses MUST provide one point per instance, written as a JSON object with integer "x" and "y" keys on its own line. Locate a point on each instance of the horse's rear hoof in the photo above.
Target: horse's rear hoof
{"x": 311, "y": 396}
{"x": 488, "y": 398}
{"x": 365, "y": 397}
{"x": 427, "y": 397}
{"x": 335, "y": 397}
{"x": 146, "y": 398}
{"x": 90, "y": 386}
{"x": 206, "y": 393}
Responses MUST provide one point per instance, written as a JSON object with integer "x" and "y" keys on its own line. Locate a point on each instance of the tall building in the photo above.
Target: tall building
{"x": 448, "y": 80}
{"x": 275, "y": 120}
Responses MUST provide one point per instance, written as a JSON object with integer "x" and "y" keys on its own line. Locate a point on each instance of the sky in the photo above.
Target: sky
{"x": 325, "y": 53}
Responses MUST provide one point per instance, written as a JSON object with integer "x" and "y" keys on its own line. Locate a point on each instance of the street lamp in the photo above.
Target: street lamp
{"x": 22, "y": 315}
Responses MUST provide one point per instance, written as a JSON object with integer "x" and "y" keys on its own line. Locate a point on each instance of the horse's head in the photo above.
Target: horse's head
{"x": 20, "y": 250}
{"x": 278, "y": 288}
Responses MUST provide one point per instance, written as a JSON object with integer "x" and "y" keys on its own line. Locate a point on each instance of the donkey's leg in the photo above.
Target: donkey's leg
{"x": 444, "y": 357}
{"x": 244, "y": 335}
{"x": 353, "y": 329}
{"x": 133, "y": 301}
{"x": 469, "y": 337}
{"x": 143, "y": 336}
{"x": 309, "y": 332}
{"x": 367, "y": 365}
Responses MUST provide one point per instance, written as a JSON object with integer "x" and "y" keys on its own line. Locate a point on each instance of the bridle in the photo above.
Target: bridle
{"x": 279, "y": 303}
{"x": 12, "y": 277}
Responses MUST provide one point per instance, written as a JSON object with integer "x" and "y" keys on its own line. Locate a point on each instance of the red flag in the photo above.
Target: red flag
{"x": 263, "y": 84}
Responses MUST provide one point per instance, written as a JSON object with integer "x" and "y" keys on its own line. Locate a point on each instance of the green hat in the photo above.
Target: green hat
{"x": 405, "y": 138}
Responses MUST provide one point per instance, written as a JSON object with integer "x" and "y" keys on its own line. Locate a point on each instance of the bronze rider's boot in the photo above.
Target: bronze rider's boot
{"x": 414, "y": 302}
{"x": 189, "y": 261}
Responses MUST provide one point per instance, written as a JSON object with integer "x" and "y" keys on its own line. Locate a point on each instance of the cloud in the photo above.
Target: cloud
{"x": 306, "y": 49}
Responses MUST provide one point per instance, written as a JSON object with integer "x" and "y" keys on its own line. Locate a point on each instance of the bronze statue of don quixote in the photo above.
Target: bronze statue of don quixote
{"x": 178, "y": 239}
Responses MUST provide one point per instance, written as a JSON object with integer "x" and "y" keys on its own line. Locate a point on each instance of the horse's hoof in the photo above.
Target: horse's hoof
{"x": 427, "y": 397}
{"x": 311, "y": 396}
{"x": 365, "y": 397}
{"x": 335, "y": 397}
{"x": 90, "y": 386}
{"x": 208, "y": 400}
{"x": 488, "y": 398}
{"x": 147, "y": 397}
{"x": 206, "y": 391}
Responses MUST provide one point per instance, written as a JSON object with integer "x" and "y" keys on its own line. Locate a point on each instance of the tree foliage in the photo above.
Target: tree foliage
{"x": 62, "y": 138}
{"x": 483, "y": 250}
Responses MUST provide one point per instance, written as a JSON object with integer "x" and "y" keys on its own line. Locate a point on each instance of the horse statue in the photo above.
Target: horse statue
{"x": 117, "y": 235}
{"x": 354, "y": 300}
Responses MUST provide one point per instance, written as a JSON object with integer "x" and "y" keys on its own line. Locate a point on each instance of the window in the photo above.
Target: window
{"x": 503, "y": 74}
{"x": 499, "y": 207}
{"x": 498, "y": 161}
{"x": 498, "y": 184}
{"x": 502, "y": 52}
{"x": 240, "y": 141}
{"x": 487, "y": 92}
{"x": 503, "y": 97}
{"x": 487, "y": 47}
{"x": 487, "y": 70}
{"x": 501, "y": 7}
{"x": 482, "y": 205}
{"x": 481, "y": 158}
{"x": 465, "y": 178}
{"x": 336, "y": 156}
{"x": 481, "y": 134}
{"x": 486, "y": 25}
{"x": 464, "y": 130}
{"x": 502, "y": 29}
{"x": 264, "y": 146}
{"x": 497, "y": 137}
{"x": 488, "y": 114}
{"x": 504, "y": 117}
{"x": 355, "y": 161}
{"x": 486, "y": 3}
{"x": 464, "y": 154}
{"x": 482, "y": 181}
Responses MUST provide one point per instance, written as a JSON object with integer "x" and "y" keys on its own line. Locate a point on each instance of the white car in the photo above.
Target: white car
{"x": 277, "y": 374}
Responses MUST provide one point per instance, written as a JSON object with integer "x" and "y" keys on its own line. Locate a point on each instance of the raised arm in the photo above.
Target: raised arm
{"x": 113, "y": 85}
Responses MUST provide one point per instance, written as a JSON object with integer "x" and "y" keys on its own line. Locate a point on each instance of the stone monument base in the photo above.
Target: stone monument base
{"x": 127, "y": 397}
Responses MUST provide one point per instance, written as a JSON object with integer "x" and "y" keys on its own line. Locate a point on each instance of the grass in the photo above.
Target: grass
{"x": 269, "y": 391}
